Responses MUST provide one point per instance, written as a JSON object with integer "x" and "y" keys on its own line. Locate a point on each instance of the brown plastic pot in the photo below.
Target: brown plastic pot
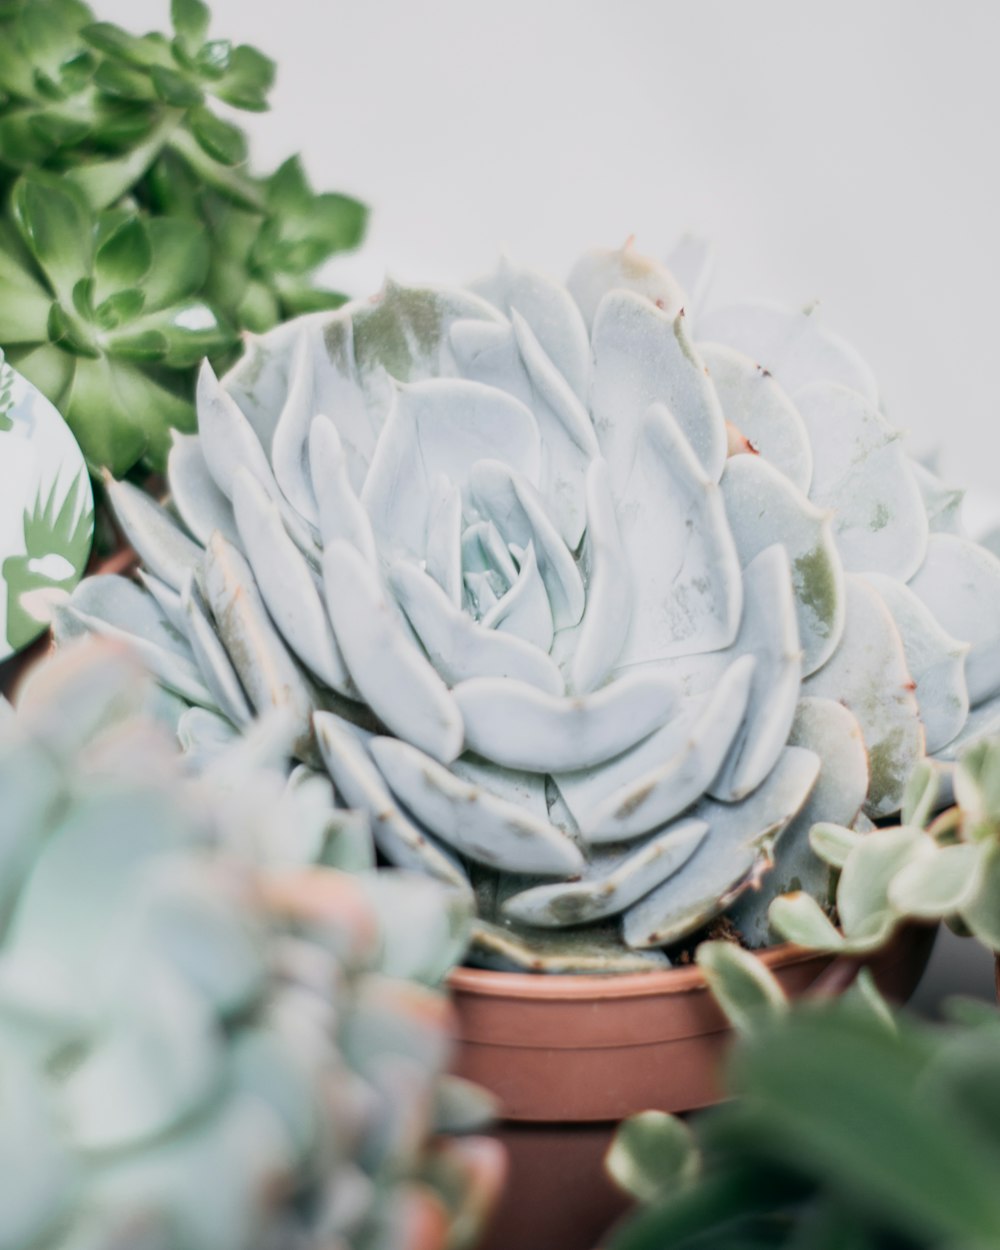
{"x": 570, "y": 1056}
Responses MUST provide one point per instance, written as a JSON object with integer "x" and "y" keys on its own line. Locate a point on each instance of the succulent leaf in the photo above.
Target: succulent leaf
{"x": 509, "y": 558}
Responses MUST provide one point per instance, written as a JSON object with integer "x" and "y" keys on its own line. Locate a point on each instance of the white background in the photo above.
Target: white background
{"x": 839, "y": 149}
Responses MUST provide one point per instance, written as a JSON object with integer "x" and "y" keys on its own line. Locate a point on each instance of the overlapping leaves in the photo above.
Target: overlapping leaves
{"x": 135, "y": 240}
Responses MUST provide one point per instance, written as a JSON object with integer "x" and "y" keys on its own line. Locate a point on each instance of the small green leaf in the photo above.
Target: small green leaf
{"x": 214, "y": 58}
{"x": 652, "y": 1156}
{"x": 58, "y": 130}
{"x": 982, "y": 912}
{"x": 922, "y": 794}
{"x": 191, "y": 20}
{"x": 56, "y": 224}
{"x": 116, "y": 79}
{"x": 800, "y": 919}
{"x": 833, "y": 843}
{"x": 144, "y": 346}
{"x": 300, "y": 298}
{"x": 248, "y": 79}
{"x": 65, "y": 333}
{"x": 863, "y": 889}
{"x": 110, "y": 39}
{"x": 938, "y": 884}
{"x": 119, "y": 308}
{"x": 190, "y": 331}
{"x": 179, "y": 265}
{"x": 124, "y": 258}
{"x": 745, "y": 990}
{"x": 174, "y": 89}
{"x": 83, "y": 298}
{"x": 223, "y": 142}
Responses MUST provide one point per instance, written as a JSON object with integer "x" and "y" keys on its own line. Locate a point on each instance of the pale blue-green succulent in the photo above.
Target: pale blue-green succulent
{"x": 587, "y": 597}
{"x": 208, "y": 1040}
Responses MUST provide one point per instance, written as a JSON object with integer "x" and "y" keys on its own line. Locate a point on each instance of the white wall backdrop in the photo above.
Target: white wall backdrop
{"x": 835, "y": 149}
{"x": 839, "y": 149}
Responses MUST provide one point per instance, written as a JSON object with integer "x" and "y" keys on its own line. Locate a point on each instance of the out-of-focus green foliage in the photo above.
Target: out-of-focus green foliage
{"x": 851, "y": 1132}
{"x": 134, "y": 240}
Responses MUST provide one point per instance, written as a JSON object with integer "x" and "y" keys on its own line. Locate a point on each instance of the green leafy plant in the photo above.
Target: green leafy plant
{"x": 210, "y": 1037}
{"x": 936, "y": 866}
{"x": 134, "y": 239}
{"x": 594, "y": 601}
{"x": 851, "y": 1129}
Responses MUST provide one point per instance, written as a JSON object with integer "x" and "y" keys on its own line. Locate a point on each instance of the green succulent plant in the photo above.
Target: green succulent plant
{"x": 595, "y": 602}
{"x": 134, "y": 239}
{"x": 849, "y": 1127}
{"x": 937, "y": 865}
{"x": 209, "y": 1038}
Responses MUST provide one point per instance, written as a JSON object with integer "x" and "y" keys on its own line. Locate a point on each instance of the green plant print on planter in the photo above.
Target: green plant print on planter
{"x": 46, "y": 511}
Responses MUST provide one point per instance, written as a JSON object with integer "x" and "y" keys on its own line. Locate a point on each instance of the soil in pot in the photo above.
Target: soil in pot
{"x": 571, "y": 1056}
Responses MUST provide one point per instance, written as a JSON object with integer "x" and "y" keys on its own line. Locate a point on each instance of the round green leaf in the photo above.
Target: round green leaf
{"x": 223, "y": 142}
{"x": 57, "y": 226}
{"x": 746, "y": 991}
{"x": 800, "y": 919}
{"x": 652, "y": 1156}
{"x": 191, "y": 20}
{"x": 123, "y": 259}
{"x": 939, "y": 884}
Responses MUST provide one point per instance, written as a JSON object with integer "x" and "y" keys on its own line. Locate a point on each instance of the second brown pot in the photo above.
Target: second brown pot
{"x": 569, "y": 1057}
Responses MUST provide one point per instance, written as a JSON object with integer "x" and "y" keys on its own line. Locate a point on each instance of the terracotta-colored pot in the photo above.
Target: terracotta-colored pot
{"x": 571, "y": 1056}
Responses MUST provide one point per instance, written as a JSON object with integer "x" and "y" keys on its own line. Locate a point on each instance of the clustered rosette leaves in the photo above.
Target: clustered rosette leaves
{"x": 134, "y": 240}
{"x": 210, "y": 1039}
{"x": 589, "y": 599}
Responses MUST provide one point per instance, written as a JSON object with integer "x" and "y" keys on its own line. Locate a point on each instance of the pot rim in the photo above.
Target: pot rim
{"x": 567, "y": 986}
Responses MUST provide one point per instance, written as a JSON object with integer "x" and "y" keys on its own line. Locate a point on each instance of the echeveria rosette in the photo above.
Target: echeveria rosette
{"x": 583, "y": 596}
{"x": 207, "y": 1041}
{"x": 134, "y": 239}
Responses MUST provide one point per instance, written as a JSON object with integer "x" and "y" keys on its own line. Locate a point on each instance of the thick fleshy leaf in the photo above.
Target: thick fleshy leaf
{"x": 769, "y": 633}
{"x": 393, "y": 676}
{"x": 643, "y": 356}
{"x": 508, "y": 499}
{"x": 747, "y": 992}
{"x": 557, "y": 951}
{"x": 943, "y": 503}
{"x": 228, "y": 440}
{"x": 983, "y": 722}
{"x": 266, "y": 671}
{"x": 566, "y": 431}
{"x": 287, "y": 584}
{"x": 470, "y": 818}
{"x": 867, "y": 914}
{"x": 939, "y": 884}
{"x": 524, "y": 610}
{"x": 157, "y": 539}
{"x": 794, "y": 346}
{"x": 201, "y": 504}
{"x": 550, "y": 311}
{"x": 601, "y": 270}
{"x": 960, "y": 582}
{"x": 610, "y": 884}
{"x": 214, "y": 663}
{"x": 440, "y": 428}
{"x": 861, "y": 471}
{"x": 798, "y": 918}
{"x": 761, "y": 410}
{"x": 980, "y": 912}
{"x": 764, "y": 508}
{"x": 340, "y": 513}
{"x": 652, "y": 1155}
{"x": 597, "y": 644}
{"x": 459, "y": 647}
{"x": 936, "y": 662}
{"x": 664, "y": 774}
{"x": 519, "y": 726}
{"x": 829, "y": 730}
{"x": 868, "y": 674}
{"x": 359, "y": 785}
{"x": 738, "y": 844}
{"x": 683, "y": 566}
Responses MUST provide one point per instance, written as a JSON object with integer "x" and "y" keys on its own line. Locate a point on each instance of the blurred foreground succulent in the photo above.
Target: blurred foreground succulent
{"x": 134, "y": 240}
{"x": 205, "y": 1043}
{"x": 850, "y": 1128}
{"x": 586, "y": 598}
{"x": 938, "y": 865}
